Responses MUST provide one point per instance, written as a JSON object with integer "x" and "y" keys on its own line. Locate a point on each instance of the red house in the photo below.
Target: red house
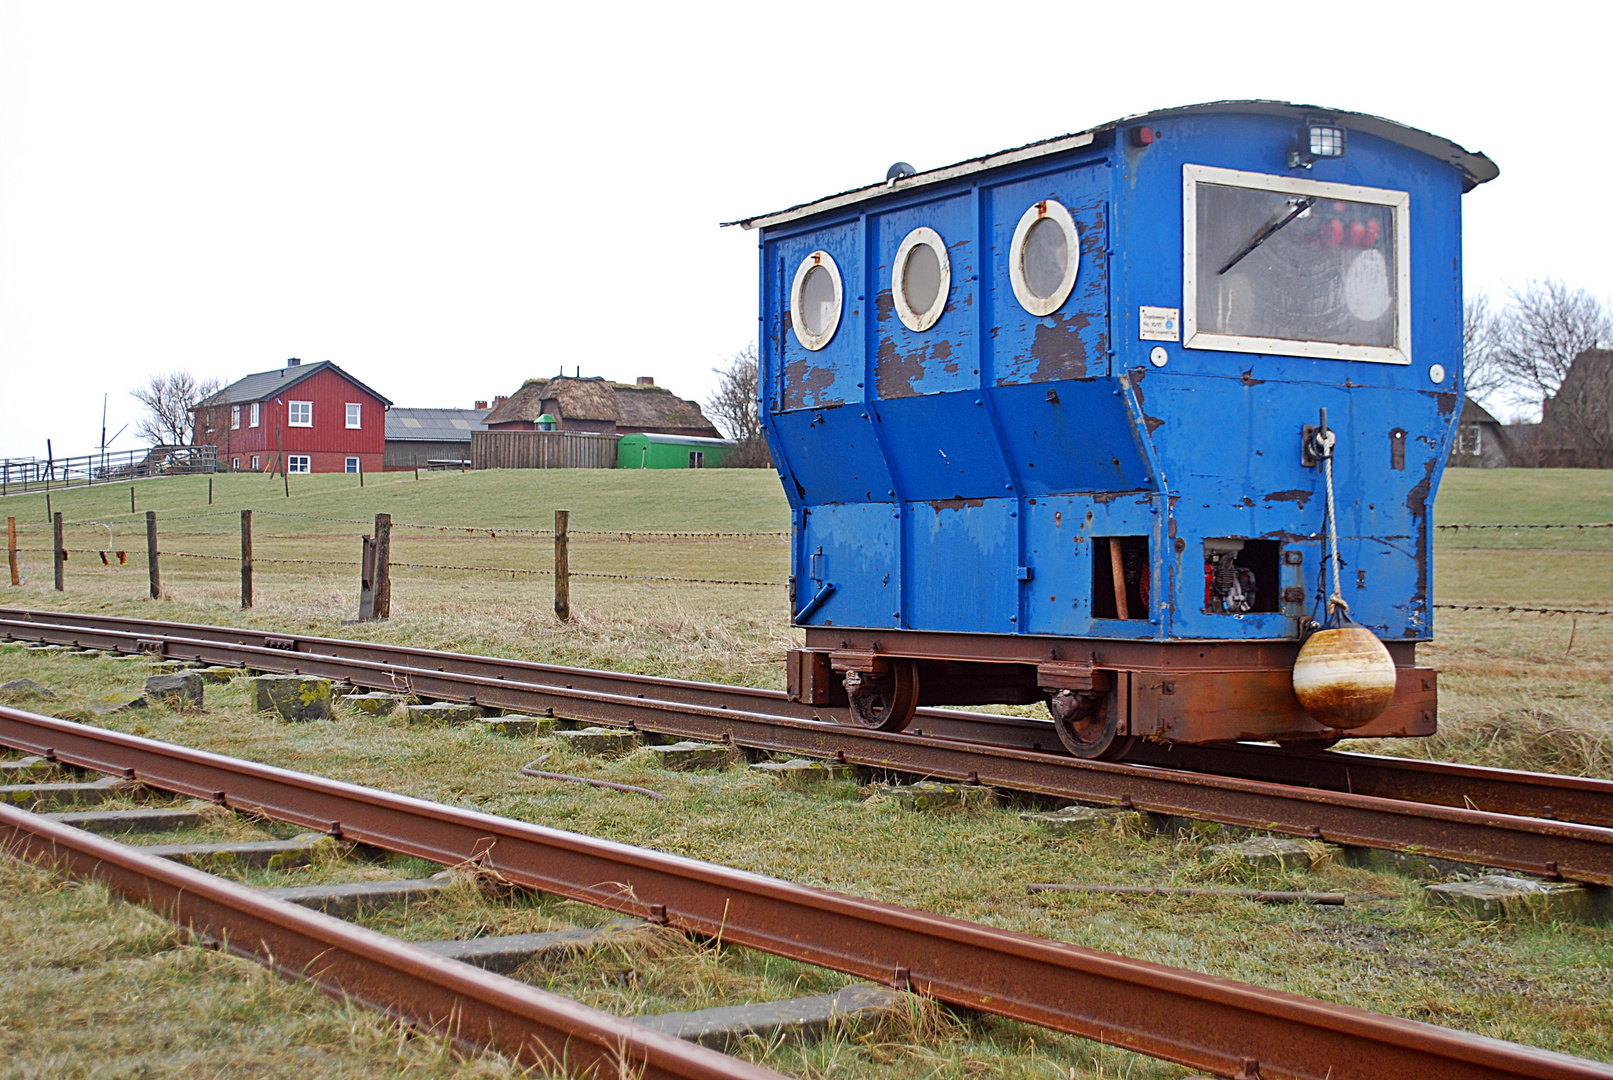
{"x": 317, "y": 415}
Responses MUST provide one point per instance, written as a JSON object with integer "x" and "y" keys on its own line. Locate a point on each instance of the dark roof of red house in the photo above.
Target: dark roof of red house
{"x": 266, "y": 384}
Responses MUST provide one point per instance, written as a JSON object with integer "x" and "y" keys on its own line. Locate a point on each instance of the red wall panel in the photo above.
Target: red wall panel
{"x": 328, "y": 443}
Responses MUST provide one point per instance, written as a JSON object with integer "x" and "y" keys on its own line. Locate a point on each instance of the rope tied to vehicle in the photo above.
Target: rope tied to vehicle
{"x": 1324, "y": 442}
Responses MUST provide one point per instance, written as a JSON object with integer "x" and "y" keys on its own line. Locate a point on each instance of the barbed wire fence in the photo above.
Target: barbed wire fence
{"x": 112, "y": 555}
{"x": 370, "y": 571}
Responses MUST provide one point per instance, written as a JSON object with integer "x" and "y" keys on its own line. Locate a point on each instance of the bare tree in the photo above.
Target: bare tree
{"x": 1543, "y": 329}
{"x": 1482, "y": 375}
{"x": 170, "y": 401}
{"x": 734, "y": 407}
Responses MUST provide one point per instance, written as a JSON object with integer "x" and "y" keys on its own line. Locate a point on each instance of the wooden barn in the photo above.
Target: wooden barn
{"x": 317, "y": 416}
{"x": 426, "y": 438}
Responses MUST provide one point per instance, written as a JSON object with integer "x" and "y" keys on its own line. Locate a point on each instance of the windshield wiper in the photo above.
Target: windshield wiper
{"x": 1269, "y": 231}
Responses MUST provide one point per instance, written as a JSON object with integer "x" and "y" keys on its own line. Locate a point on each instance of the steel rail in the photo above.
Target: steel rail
{"x": 417, "y": 987}
{"x": 1218, "y": 1025}
{"x": 1524, "y": 794}
{"x": 1530, "y": 845}
{"x": 1553, "y": 796}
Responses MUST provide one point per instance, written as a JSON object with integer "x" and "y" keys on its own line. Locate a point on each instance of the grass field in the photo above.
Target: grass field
{"x": 1513, "y": 692}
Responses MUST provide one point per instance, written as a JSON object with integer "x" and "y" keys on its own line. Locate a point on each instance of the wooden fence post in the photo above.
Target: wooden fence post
{"x": 383, "y": 566}
{"x": 366, "y": 580}
{"x": 131, "y": 498}
{"x": 246, "y": 558}
{"x": 280, "y": 451}
{"x": 562, "y": 564}
{"x": 59, "y": 551}
{"x": 11, "y": 550}
{"x": 151, "y": 554}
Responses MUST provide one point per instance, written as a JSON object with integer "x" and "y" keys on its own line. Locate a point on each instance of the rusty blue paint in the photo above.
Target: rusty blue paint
{"x": 931, "y": 467}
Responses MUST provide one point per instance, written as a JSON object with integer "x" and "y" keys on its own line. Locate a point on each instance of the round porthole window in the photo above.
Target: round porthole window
{"x": 922, "y": 278}
{"x": 1046, "y": 256}
{"x": 815, "y": 300}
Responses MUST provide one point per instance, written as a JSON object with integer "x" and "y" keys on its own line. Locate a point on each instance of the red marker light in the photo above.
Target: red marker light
{"x": 1335, "y": 233}
{"x": 1372, "y": 233}
{"x": 1358, "y": 233}
{"x": 1143, "y": 136}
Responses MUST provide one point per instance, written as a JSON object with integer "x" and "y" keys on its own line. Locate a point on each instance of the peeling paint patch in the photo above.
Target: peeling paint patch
{"x": 806, "y": 384}
{"x": 1298, "y": 496}
{"x": 939, "y": 505}
{"x": 898, "y": 374}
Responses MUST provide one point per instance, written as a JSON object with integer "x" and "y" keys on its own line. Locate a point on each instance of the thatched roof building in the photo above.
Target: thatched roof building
{"x": 599, "y": 406}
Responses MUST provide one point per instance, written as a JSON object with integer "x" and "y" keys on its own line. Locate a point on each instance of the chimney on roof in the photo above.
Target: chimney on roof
{"x": 293, "y": 362}
{"x": 481, "y": 404}
{"x": 646, "y": 380}
{"x": 501, "y": 399}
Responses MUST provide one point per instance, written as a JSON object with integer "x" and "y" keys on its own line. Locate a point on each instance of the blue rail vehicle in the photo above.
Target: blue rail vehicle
{"x": 1048, "y": 421}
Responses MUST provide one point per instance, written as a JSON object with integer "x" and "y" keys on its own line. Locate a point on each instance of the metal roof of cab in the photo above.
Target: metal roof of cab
{"x": 1474, "y": 167}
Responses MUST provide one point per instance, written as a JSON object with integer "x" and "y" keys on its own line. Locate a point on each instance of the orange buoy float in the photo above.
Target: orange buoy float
{"x": 1344, "y": 676}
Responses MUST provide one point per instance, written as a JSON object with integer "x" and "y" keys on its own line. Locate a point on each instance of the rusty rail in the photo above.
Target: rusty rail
{"x": 1217, "y": 1025}
{"x": 1524, "y": 794}
{"x": 348, "y": 961}
{"x": 761, "y": 720}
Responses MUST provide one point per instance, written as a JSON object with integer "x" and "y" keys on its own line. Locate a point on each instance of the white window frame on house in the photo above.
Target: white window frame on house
{"x": 1399, "y": 202}
{"x": 306, "y": 410}
{"x": 298, "y": 463}
{"x": 255, "y": 415}
{"x": 355, "y": 415}
{"x": 236, "y": 464}
{"x": 697, "y": 459}
{"x": 235, "y": 418}
{"x": 353, "y": 465}
{"x": 254, "y": 462}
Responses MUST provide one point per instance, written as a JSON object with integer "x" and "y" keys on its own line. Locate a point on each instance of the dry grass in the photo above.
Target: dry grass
{"x": 1509, "y": 697}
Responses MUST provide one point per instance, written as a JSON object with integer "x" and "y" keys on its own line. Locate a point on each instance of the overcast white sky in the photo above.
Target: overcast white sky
{"x": 446, "y": 199}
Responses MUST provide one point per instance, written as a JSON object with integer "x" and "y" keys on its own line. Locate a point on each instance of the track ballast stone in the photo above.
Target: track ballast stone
{"x": 799, "y": 1018}
{"x": 177, "y": 689}
{"x": 690, "y": 756}
{"x": 1264, "y": 853}
{"x": 934, "y": 795}
{"x": 24, "y": 688}
{"x": 1501, "y": 896}
{"x": 442, "y": 712}
{"x": 293, "y": 697}
{"x": 1075, "y": 820}
{"x": 801, "y": 773}
{"x": 375, "y": 703}
{"x": 599, "y": 741}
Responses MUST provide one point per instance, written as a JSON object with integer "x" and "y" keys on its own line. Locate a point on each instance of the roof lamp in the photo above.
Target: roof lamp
{"x": 1318, "y": 139}
{"x": 1327, "y": 140}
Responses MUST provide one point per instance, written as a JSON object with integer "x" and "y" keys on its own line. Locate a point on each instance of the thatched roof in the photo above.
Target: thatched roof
{"x": 576, "y": 399}
{"x": 656, "y": 407}
{"x": 651, "y": 407}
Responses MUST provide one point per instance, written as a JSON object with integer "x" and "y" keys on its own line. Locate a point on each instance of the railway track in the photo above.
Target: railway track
{"x": 1554, "y": 826}
{"x": 1217, "y": 1025}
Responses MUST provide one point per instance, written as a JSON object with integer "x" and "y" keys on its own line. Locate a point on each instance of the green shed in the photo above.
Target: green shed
{"x": 652, "y": 451}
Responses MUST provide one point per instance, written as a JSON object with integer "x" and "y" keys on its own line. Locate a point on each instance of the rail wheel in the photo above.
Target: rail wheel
{"x": 884, "y": 702}
{"x": 1086, "y": 725}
